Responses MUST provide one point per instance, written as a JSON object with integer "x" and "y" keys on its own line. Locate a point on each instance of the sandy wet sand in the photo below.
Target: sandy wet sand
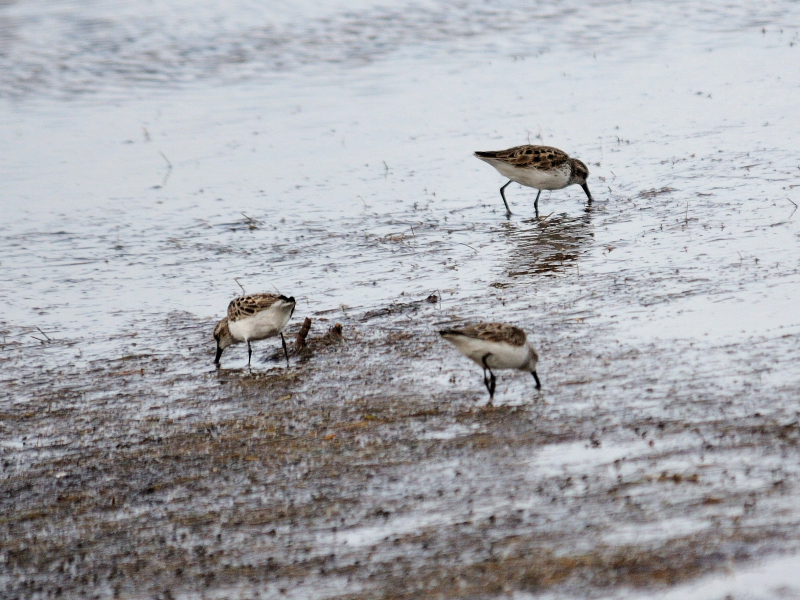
{"x": 330, "y": 158}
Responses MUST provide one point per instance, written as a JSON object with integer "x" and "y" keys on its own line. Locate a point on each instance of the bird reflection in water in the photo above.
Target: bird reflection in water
{"x": 548, "y": 245}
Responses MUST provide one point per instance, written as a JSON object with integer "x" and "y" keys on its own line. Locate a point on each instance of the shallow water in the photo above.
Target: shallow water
{"x": 156, "y": 154}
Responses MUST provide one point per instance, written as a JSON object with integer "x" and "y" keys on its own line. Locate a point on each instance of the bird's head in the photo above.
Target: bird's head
{"x": 533, "y": 359}
{"x": 579, "y": 174}
{"x": 222, "y": 335}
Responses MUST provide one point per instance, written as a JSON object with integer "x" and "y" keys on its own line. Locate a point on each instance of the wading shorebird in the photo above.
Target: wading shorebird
{"x": 252, "y": 318}
{"x": 540, "y": 167}
{"x": 494, "y": 346}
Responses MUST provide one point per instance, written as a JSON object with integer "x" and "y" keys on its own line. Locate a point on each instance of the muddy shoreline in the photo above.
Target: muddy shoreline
{"x": 338, "y": 478}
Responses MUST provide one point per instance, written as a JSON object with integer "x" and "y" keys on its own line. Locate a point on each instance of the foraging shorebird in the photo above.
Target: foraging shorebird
{"x": 540, "y": 167}
{"x": 495, "y": 346}
{"x": 252, "y": 318}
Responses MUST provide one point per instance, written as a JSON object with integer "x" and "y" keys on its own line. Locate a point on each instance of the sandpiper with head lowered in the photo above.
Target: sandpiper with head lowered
{"x": 540, "y": 167}
{"x": 495, "y": 346}
{"x": 251, "y": 318}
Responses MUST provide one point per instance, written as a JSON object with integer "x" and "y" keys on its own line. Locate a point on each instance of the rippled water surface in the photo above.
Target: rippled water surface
{"x": 158, "y": 156}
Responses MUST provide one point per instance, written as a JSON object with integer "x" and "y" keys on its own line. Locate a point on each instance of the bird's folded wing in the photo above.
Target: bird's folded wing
{"x": 533, "y": 157}
{"x": 495, "y": 332}
{"x": 246, "y": 306}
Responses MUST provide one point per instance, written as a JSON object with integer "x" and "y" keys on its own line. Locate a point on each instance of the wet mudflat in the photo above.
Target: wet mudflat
{"x": 329, "y": 158}
{"x": 340, "y": 478}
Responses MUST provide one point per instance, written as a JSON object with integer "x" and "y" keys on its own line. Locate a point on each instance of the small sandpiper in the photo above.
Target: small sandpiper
{"x": 495, "y": 345}
{"x": 540, "y": 167}
{"x": 251, "y": 318}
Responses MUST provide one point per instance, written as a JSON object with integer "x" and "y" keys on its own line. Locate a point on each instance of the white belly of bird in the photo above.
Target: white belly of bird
{"x": 265, "y": 324}
{"x": 555, "y": 179}
{"x": 502, "y": 356}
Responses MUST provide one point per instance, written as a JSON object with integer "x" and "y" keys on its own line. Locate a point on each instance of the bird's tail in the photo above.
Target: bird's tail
{"x": 445, "y": 332}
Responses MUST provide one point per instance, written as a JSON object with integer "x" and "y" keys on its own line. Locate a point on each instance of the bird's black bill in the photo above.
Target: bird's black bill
{"x": 219, "y": 355}
{"x": 536, "y": 377}
{"x": 588, "y": 193}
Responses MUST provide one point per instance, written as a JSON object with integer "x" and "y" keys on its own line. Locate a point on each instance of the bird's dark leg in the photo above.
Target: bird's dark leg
{"x": 249, "y": 352}
{"x": 490, "y": 385}
{"x": 536, "y": 203}
{"x": 285, "y": 351}
{"x": 503, "y": 195}
{"x": 485, "y": 379}
{"x": 536, "y": 377}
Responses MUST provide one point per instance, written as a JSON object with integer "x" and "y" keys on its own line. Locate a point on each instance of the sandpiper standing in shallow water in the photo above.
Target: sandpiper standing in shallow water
{"x": 540, "y": 167}
{"x": 495, "y": 346}
{"x": 252, "y": 318}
